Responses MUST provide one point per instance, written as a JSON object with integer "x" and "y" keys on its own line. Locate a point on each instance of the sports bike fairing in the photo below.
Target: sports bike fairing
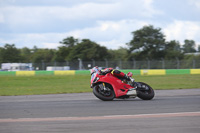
{"x": 119, "y": 87}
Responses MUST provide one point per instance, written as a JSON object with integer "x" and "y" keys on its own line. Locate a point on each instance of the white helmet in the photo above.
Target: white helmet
{"x": 94, "y": 70}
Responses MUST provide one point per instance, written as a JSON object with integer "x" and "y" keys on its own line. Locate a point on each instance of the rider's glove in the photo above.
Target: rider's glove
{"x": 129, "y": 78}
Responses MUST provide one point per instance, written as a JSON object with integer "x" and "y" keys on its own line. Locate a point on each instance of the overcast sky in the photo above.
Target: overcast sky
{"x": 44, "y": 23}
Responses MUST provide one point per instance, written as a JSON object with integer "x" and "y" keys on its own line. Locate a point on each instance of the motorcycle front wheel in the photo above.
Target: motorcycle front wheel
{"x": 105, "y": 95}
{"x": 146, "y": 93}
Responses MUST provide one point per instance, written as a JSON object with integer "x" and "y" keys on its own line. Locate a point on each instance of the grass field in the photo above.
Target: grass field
{"x": 35, "y": 85}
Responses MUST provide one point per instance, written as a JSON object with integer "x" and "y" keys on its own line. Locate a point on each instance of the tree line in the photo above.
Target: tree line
{"x": 147, "y": 43}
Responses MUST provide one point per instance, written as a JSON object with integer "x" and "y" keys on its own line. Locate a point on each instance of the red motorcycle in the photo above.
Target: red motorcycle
{"x": 107, "y": 87}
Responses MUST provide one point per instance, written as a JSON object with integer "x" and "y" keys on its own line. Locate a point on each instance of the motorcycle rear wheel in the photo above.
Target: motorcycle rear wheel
{"x": 145, "y": 94}
{"x": 105, "y": 96}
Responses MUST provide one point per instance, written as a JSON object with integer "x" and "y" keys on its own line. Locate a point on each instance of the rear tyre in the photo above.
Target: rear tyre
{"x": 145, "y": 94}
{"x": 105, "y": 95}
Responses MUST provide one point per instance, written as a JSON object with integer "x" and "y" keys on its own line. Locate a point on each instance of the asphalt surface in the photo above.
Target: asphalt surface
{"x": 170, "y": 111}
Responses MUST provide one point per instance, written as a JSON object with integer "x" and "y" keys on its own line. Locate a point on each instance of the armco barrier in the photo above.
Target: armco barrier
{"x": 87, "y": 72}
{"x": 194, "y": 71}
{"x": 25, "y": 73}
{"x": 82, "y": 72}
{"x": 153, "y": 72}
{"x": 7, "y": 73}
{"x": 44, "y": 72}
{"x": 69, "y": 72}
{"x": 177, "y": 71}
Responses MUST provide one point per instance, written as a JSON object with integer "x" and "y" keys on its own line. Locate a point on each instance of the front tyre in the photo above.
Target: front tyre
{"x": 105, "y": 95}
{"x": 144, "y": 91}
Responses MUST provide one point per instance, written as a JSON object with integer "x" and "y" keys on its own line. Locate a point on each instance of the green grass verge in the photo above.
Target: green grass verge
{"x": 35, "y": 85}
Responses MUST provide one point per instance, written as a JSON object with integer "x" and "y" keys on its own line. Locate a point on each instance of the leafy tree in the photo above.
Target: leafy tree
{"x": 35, "y": 49}
{"x": 63, "y": 51}
{"x": 173, "y": 50}
{"x": 148, "y": 42}
{"x": 87, "y": 50}
{"x": 118, "y": 54}
{"x": 41, "y": 55}
{"x": 9, "y": 53}
{"x": 69, "y": 41}
{"x": 1, "y": 54}
{"x": 189, "y": 46}
{"x": 26, "y": 54}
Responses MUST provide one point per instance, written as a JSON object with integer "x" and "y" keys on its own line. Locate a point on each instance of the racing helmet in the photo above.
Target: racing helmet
{"x": 94, "y": 69}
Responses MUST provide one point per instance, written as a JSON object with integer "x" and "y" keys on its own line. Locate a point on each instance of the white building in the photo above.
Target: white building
{"x": 16, "y": 66}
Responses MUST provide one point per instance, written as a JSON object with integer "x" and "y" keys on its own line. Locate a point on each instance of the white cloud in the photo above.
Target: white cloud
{"x": 148, "y": 9}
{"x": 31, "y": 15}
{"x": 40, "y": 15}
{"x": 1, "y": 18}
{"x": 42, "y": 40}
{"x": 51, "y": 45}
{"x": 111, "y": 34}
{"x": 196, "y": 3}
{"x": 113, "y": 44}
{"x": 117, "y": 33}
{"x": 181, "y": 30}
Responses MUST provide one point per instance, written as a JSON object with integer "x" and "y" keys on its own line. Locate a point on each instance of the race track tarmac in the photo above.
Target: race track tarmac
{"x": 170, "y": 111}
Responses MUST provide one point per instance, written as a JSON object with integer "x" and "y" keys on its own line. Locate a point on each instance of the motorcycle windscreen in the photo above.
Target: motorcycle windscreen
{"x": 93, "y": 77}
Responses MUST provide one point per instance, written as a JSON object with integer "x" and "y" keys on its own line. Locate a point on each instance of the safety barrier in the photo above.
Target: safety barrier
{"x": 85, "y": 72}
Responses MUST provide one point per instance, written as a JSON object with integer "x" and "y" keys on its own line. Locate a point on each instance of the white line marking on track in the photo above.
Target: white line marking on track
{"x": 109, "y": 117}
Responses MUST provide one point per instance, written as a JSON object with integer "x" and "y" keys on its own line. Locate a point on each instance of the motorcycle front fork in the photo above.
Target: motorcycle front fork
{"x": 103, "y": 87}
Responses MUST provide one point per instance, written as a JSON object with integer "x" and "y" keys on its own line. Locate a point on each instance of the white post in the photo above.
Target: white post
{"x": 80, "y": 64}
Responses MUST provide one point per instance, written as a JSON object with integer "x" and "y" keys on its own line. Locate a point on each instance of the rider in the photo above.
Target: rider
{"x": 116, "y": 73}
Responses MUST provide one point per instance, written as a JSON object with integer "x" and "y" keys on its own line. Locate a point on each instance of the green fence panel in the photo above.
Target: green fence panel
{"x": 177, "y": 71}
{"x": 84, "y": 72}
{"x": 44, "y": 72}
{"x": 7, "y": 73}
{"x": 135, "y": 72}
